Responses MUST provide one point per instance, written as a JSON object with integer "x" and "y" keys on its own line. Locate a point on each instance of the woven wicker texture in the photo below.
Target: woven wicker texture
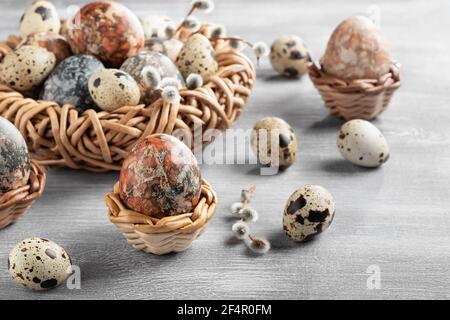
{"x": 162, "y": 236}
{"x": 58, "y": 135}
{"x": 356, "y": 99}
{"x": 15, "y": 203}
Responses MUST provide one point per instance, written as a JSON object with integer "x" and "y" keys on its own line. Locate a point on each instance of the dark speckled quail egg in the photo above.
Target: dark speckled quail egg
{"x": 14, "y": 158}
{"x": 40, "y": 16}
{"x": 26, "y": 68}
{"x": 113, "y": 88}
{"x": 197, "y": 56}
{"x": 308, "y": 212}
{"x": 39, "y": 264}
{"x": 68, "y": 83}
{"x": 289, "y": 56}
{"x": 267, "y": 129}
{"x": 166, "y": 68}
{"x": 361, "y": 143}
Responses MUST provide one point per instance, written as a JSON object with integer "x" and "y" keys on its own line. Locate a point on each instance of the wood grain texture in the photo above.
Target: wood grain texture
{"x": 396, "y": 217}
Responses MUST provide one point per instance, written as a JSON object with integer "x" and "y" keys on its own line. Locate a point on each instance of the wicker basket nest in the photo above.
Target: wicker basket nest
{"x": 99, "y": 141}
{"x": 355, "y": 99}
{"x": 15, "y": 203}
{"x": 161, "y": 236}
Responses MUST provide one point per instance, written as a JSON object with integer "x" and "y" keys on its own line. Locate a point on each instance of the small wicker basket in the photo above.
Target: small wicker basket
{"x": 355, "y": 99}
{"x": 15, "y": 203}
{"x": 99, "y": 141}
{"x": 162, "y": 236}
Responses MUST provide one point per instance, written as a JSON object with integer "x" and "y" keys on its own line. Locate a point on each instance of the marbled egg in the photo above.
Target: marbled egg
{"x": 112, "y": 88}
{"x": 135, "y": 64}
{"x": 68, "y": 83}
{"x": 356, "y": 50}
{"x": 40, "y": 16}
{"x": 308, "y": 212}
{"x": 160, "y": 177}
{"x": 197, "y": 56}
{"x": 170, "y": 48}
{"x": 14, "y": 158}
{"x": 273, "y": 140}
{"x": 39, "y": 264}
{"x": 26, "y": 68}
{"x": 361, "y": 143}
{"x": 51, "y": 41}
{"x": 289, "y": 56}
{"x": 107, "y": 30}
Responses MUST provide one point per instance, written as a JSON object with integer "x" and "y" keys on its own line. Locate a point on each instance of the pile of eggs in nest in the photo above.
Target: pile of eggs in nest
{"x": 103, "y": 57}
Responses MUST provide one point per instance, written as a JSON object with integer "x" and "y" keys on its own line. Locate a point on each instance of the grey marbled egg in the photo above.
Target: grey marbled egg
{"x": 160, "y": 62}
{"x": 113, "y": 88}
{"x": 14, "y": 158}
{"x": 26, "y": 68}
{"x": 308, "y": 212}
{"x": 68, "y": 83}
{"x": 39, "y": 264}
{"x": 40, "y": 16}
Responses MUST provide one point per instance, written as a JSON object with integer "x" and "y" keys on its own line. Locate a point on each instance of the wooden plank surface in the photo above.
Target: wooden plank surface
{"x": 395, "y": 217}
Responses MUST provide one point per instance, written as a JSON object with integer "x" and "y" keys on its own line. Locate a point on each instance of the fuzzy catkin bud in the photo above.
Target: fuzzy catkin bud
{"x": 261, "y": 49}
{"x": 240, "y": 230}
{"x": 218, "y": 31}
{"x": 258, "y": 245}
{"x": 203, "y": 5}
{"x": 248, "y": 214}
{"x": 235, "y": 207}
{"x": 151, "y": 77}
{"x": 191, "y": 24}
{"x": 170, "y": 94}
{"x": 170, "y": 82}
{"x": 194, "y": 81}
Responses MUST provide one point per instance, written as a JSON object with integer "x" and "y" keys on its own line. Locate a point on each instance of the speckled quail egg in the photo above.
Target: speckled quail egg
{"x": 269, "y": 133}
{"x": 26, "y": 68}
{"x": 39, "y": 264}
{"x": 40, "y": 16}
{"x": 361, "y": 143}
{"x": 308, "y": 212}
{"x": 166, "y": 68}
{"x": 289, "y": 56}
{"x": 68, "y": 83}
{"x": 14, "y": 158}
{"x": 113, "y": 88}
{"x": 51, "y": 41}
{"x": 197, "y": 56}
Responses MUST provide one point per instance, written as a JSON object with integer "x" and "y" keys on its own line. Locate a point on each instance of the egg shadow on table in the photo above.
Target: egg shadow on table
{"x": 281, "y": 78}
{"x": 329, "y": 123}
{"x": 279, "y": 241}
{"x": 343, "y": 166}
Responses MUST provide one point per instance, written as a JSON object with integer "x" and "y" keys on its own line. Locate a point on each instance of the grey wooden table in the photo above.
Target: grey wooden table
{"x": 394, "y": 219}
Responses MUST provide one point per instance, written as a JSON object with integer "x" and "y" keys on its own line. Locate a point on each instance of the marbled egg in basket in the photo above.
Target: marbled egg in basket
{"x": 308, "y": 212}
{"x": 160, "y": 177}
{"x": 14, "y": 158}
{"x": 26, "y": 68}
{"x": 166, "y": 68}
{"x": 289, "y": 56}
{"x": 40, "y": 16}
{"x": 361, "y": 143}
{"x": 39, "y": 264}
{"x": 68, "y": 83}
{"x": 356, "y": 50}
{"x": 51, "y": 41}
{"x": 112, "y": 88}
{"x": 107, "y": 30}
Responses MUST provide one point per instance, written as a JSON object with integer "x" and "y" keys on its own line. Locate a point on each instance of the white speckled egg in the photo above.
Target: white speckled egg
{"x": 14, "y": 158}
{"x": 357, "y": 50}
{"x": 113, "y": 88}
{"x": 361, "y": 143}
{"x": 40, "y": 16}
{"x": 308, "y": 212}
{"x": 39, "y": 264}
{"x": 197, "y": 56}
{"x": 285, "y": 142}
{"x": 26, "y": 68}
{"x": 289, "y": 56}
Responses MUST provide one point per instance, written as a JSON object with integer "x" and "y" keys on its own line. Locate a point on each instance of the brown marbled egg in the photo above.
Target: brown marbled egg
{"x": 14, "y": 158}
{"x": 356, "y": 50}
{"x": 107, "y": 30}
{"x": 160, "y": 177}
{"x": 51, "y": 41}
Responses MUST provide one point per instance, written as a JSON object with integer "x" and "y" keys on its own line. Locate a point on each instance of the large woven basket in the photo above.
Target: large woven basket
{"x": 99, "y": 141}
{"x": 15, "y": 203}
{"x": 161, "y": 236}
{"x": 355, "y": 99}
